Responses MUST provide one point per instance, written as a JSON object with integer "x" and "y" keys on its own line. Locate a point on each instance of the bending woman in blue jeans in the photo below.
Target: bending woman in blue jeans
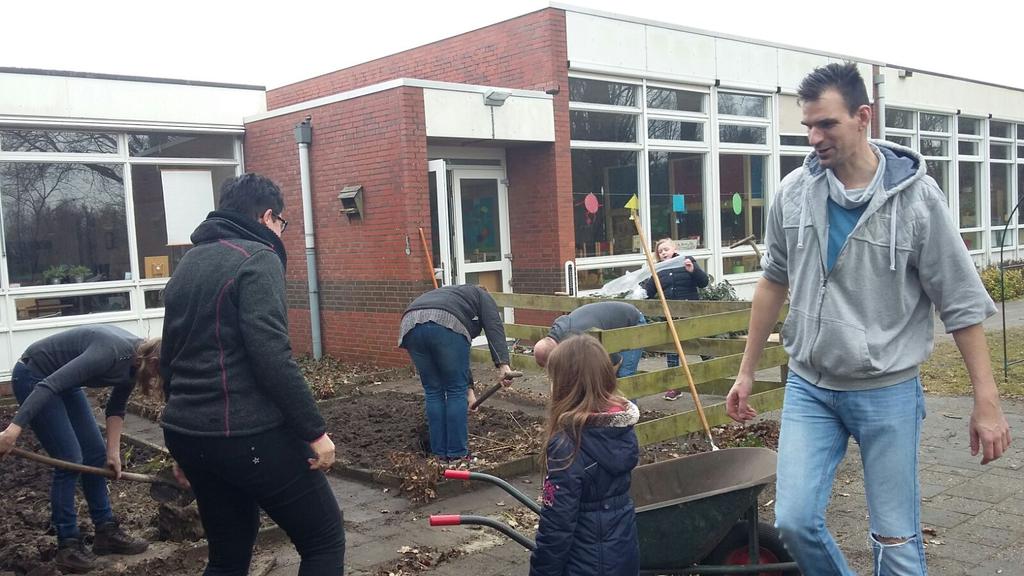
{"x": 48, "y": 382}
{"x": 437, "y": 329}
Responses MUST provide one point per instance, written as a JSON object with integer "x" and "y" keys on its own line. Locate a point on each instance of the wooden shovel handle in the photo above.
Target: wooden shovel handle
{"x": 82, "y": 468}
{"x": 494, "y": 388}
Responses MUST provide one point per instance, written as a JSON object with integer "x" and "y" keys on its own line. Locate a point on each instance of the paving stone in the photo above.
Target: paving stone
{"x": 991, "y": 489}
{"x": 939, "y": 518}
{"x": 962, "y": 551}
{"x": 958, "y": 504}
{"x": 979, "y": 534}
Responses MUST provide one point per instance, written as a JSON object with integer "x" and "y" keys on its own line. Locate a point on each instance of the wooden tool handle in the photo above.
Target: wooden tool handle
{"x": 82, "y": 468}
{"x": 494, "y": 388}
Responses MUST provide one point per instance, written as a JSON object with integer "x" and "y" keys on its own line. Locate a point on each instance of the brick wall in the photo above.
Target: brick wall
{"x": 379, "y": 142}
{"x": 511, "y": 54}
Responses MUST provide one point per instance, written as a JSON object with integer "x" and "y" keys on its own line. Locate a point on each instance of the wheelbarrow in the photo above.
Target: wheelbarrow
{"x": 694, "y": 515}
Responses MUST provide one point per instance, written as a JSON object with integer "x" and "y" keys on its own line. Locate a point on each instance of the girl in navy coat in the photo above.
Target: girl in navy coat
{"x": 587, "y": 523}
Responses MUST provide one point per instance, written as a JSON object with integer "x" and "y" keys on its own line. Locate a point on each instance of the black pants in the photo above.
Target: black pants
{"x": 234, "y": 477}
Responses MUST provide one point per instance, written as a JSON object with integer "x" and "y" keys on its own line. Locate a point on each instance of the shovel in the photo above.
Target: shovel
{"x": 490, "y": 391}
{"x": 163, "y": 487}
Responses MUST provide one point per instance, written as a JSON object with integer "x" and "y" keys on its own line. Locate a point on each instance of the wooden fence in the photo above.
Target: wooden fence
{"x": 703, "y": 328}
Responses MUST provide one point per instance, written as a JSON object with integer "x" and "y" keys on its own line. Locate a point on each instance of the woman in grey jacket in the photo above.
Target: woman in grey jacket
{"x": 48, "y": 382}
{"x": 240, "y": 420}
{"x": 437, "y": 329}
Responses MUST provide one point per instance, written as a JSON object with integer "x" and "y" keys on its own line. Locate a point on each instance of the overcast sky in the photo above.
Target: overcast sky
{"x": 276, "y": 43}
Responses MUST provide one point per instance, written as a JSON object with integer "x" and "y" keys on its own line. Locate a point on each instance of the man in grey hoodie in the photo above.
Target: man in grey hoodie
{"x": 861, "y": 238}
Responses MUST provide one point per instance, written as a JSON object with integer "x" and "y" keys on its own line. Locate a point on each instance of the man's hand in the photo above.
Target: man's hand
{"x": 736, "y": 402}
{"x": 114, "y": 461}
{"x": 990, "y": 433}
{"x": 323, "y": 448}
{"x": 8, "y": 438}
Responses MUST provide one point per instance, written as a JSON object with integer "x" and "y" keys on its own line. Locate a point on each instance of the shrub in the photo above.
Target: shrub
{"x": 723, "y": 291}
{"x": 1013, "y": 278}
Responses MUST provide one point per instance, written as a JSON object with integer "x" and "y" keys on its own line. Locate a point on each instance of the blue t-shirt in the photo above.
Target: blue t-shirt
{"x": 840, "y": 223}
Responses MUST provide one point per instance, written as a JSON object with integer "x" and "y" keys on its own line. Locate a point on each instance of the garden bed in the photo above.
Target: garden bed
{"x": 27, "y": 541}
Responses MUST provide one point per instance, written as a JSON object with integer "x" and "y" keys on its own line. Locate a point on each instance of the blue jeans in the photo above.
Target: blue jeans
{"x": 816, "y": 427}
{"x": 67, "y": 430}
{"x": 441, "y": 357}
{"x": 630, "y": 358}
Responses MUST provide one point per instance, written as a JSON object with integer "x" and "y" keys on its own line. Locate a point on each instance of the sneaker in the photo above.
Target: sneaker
{"x": 73, "y": 557}
{"x": 111, "y": 539}
{"x": 672, "y": 395}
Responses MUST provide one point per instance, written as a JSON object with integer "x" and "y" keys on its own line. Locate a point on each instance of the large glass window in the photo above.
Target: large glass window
{"x": 743, "y": 105}
{"x": 603, "y": 181}
{"x": 64, "y": 223}
{"x": 159, "y": 252}
{"x": 602, "y": 92}
{"x": 789, "y": 163}
{"x": 677, "y": 196}
{"x": 741, "y": 196}
{"x": 1000, "y": 194}
{"x": 968, "y": 126}
{"x": 939, "y": 170}
{"x": 970, "y": 194}
{"x": 675, "y": 130}
{"x": 167, "y": 145}
{"x": 67, "y": 142}
{"x": 934, "y": 123}
{"x": 899, "y": 119}
{"x": 742, "y": 134}
{"x": 602, "y": 126}
{"x": 54, "y": 305}
{"x": 681, "y": 100}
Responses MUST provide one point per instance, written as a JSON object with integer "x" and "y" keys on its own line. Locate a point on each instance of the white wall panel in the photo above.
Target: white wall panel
{"x": 530, "y": 119}
{"x": 121, "y": 100}
{"x": 929, "y": 92}
{"x": 604, "y": 41}
{"x": 680, "y": 53}
{"x": 746, "y": 64}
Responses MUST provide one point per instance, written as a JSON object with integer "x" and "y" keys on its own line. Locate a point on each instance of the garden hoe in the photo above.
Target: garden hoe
{"x": 163, "y": 487}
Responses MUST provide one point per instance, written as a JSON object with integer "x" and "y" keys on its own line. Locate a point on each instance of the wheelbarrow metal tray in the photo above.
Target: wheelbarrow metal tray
{"x": 687, "y": 505}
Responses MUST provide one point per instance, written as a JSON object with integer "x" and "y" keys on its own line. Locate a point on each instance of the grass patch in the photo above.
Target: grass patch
{"x": 945, "y": 374}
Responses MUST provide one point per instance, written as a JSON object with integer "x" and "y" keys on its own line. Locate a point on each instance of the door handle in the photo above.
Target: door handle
{"x": 508, "y": 256}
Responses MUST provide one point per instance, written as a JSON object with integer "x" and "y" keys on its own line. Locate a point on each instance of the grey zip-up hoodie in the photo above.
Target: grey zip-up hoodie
{"x": 868, "y": 322}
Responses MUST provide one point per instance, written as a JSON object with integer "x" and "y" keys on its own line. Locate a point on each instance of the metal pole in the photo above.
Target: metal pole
{"x": 304, "y": 137}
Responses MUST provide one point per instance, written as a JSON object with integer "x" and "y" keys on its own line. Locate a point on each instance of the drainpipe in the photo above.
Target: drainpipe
{"x": 879, "y": 82}
{"x": 304, "y": 137}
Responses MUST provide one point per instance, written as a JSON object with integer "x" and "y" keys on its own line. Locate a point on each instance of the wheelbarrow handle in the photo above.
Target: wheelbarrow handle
{"x": 82, "y": 468}
{"x": 518, "y": 495}
{"x": 460, "y": 520}
{"x": 494, "y": 388}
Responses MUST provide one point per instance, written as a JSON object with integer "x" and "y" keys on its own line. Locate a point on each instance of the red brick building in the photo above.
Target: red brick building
{"x": 516, "y": 147}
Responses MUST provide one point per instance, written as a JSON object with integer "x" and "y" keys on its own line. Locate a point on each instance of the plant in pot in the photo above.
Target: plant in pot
{"x": 79, "y": 273}
{"x": 57, "y": 274}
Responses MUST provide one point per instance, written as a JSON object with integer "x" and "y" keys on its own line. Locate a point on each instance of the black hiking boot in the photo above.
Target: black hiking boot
{"x": 111, "y": 539}
{"x": 73, "y": 557}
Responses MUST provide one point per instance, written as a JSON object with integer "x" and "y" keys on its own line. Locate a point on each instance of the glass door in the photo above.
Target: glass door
{"x": 480, "y": 225}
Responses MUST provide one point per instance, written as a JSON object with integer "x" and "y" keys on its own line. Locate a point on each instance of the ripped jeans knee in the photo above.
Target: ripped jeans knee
{"x": 898, "y": 555}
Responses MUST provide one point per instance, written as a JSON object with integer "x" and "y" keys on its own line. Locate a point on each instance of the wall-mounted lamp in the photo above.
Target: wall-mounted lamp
{"x": 904, "y": 73}
{"x": 351, "y": 198}
{"x": 496, "y": 97}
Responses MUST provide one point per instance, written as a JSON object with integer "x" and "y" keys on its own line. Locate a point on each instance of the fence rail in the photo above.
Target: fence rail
{"x": 700, "y": 325}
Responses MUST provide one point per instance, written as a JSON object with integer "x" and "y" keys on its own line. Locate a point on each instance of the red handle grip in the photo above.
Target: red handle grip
{"x": 445, "y": 520}
{"x": 457, "y": 474}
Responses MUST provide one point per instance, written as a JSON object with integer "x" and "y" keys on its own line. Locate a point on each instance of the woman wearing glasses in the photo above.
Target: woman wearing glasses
{"x": 240, "y": 420}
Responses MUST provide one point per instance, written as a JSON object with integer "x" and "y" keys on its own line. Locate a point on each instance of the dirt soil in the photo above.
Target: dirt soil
{"x": 367, "y": 427}
{"x": 27, "y": 541}
{"x": 387, "y": 432}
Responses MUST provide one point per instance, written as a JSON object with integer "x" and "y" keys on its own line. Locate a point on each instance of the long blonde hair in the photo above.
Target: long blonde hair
{"x": 147, "y": 374}
{"x": 582, "y": 384}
